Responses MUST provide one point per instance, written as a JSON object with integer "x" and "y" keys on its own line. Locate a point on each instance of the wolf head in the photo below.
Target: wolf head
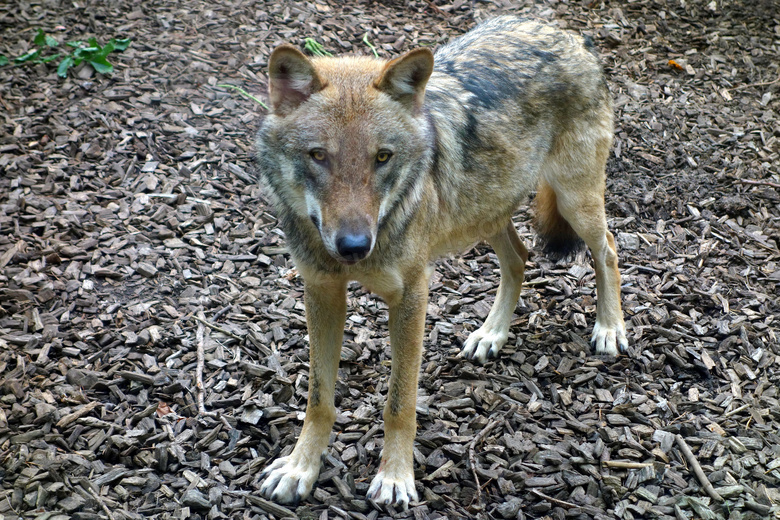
{"x": 346, "y": 143}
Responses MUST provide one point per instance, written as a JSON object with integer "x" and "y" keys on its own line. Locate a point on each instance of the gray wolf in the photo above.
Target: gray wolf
{"x": 378, "y": 167}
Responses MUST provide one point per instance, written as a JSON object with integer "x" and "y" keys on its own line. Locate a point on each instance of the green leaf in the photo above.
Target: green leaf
{"x": 3, "y": 60}
{"x": 40, "y": 38}
{"x": 83, "y": 53}
{"x": 106, "y": 50}
{"x": 62, "y": 69}
{"x": 29, "y": 57}
{"x": 121, "y": 44}
{"x": 75, "y": 44}
{"x": 101, "y": 65}
{"x": 47, "y": 59}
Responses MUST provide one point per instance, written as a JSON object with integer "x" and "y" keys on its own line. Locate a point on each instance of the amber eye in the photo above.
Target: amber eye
{"x": 383, "y": 156}
{"x": 318, "y": 155}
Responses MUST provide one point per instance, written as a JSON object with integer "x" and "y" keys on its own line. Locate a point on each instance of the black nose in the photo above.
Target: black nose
{"x": 353, "y": 246}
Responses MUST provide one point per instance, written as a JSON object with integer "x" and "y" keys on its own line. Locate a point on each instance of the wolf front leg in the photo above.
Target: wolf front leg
{"x": 394, "y": 483}
{"x": 290, "y": 479}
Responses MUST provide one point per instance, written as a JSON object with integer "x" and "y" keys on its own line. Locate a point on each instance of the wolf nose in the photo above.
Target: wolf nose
{"x": 353, "y": 246}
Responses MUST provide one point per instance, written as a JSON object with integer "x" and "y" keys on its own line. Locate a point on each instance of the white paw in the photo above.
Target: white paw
{"x": 287, "y": 482}
{"x": 607, "y": 340}
{"x": 393, "y": 488}
{"x": 484, "y": 343}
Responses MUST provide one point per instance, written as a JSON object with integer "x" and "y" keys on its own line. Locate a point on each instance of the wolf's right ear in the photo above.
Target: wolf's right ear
{"x": 405, "y": 77}
{"x": 292, "y": 79}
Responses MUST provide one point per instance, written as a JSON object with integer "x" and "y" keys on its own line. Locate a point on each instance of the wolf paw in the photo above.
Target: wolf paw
{"x": 287, "y": 482}
{"x": 393, "y": 488}
{"x": 484, "y": 343}
{"x": 607, "y": 340}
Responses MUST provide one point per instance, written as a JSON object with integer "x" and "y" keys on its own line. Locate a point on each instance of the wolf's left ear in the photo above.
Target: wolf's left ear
{"x": 404, "y": 78}
{"x": 292, "y": 79}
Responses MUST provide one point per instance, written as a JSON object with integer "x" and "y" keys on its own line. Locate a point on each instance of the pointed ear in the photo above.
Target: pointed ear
{"x": 292, "y": 79}
{"x": 404, "y": 78}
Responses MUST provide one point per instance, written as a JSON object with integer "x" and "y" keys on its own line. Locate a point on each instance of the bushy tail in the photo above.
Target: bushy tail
{"x": 559, "y": 240}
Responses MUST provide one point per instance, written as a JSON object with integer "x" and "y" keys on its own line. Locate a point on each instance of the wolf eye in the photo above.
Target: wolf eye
{"x": 383, "y": 156}
{"x": 318, "y": 155}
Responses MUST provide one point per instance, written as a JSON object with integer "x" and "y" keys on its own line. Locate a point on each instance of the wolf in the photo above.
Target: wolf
{"x": 376, "y": 168}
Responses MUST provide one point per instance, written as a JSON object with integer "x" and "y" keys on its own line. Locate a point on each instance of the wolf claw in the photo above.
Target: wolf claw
{"x": 396, "y": 491}
{"x": 607, "y": 340}
{"x": 287, "y": 482}
{"x": 484, "y": 344}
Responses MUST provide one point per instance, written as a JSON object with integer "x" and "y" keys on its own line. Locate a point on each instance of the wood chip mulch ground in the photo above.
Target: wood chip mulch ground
{"x": 152, "y": 338}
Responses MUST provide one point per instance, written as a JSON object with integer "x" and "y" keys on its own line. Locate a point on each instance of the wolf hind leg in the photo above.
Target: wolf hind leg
{"x": 488, "y": 340}
{"x": 609, "y": 332}
{"x": 578, "y": 179}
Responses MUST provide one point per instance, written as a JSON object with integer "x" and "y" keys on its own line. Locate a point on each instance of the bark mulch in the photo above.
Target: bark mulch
{"x": 152, "y": 337}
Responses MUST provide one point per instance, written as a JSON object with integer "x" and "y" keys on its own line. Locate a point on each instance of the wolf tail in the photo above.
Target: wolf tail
{"x": 558, "y": 237}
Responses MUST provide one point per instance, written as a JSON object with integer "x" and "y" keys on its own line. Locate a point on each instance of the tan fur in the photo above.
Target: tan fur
{"x": 377, "y": 168}
{"x": 558, "y": 236}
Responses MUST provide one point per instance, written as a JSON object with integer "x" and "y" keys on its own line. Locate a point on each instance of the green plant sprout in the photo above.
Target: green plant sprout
{"x": 373, "y": 49}
{"x": 245, "y": 94}
{"x": 311, "y": 45}
{"x": 90, "y": 51}
{"x": 314, "y": 47}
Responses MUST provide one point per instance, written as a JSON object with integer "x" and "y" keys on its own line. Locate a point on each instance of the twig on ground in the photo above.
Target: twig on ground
{"x": 736, "y": 410}
{"x": 200, "y": 339}
{"x": 625, "y": 465}
{"x": 130, "y": 168}
{"x": 473, "y": 459}
{"x": 436, "y": 8}
{"x": 226, "y": 422}
{"x": 217, "y": 328}
{"x": 760, "y": 183}
{"x": 762, "y": 84}
{"x": 270, "y": 507}
{"x": 555, "y": 501}
{"x": 705, "y": 483}
{"x": 99, "y": 500}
